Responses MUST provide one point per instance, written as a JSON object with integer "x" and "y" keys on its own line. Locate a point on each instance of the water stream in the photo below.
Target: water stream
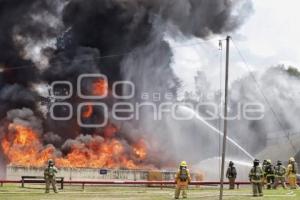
{"x": 198, "y": 117}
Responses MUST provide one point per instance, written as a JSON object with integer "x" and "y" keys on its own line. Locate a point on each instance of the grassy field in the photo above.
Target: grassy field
{"x": 13, "y": 192}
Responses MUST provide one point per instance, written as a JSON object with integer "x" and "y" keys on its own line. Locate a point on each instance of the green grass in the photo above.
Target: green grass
{"x": 36, "y": 192}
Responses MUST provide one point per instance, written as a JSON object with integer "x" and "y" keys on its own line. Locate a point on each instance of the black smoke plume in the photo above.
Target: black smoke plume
{"x": 133, "y": 31}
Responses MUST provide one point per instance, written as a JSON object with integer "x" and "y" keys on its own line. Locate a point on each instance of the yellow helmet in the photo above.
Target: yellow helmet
{"x": 292, "y": 159}
{"x": 269, "y": 161}
{"x": 183, "y": 164}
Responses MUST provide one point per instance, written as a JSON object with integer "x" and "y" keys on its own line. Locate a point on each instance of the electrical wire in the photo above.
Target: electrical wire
{"x": 263, "y": 95}
{"x": 104, "y": 57}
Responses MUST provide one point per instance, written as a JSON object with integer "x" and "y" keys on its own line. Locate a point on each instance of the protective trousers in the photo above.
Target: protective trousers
{"x": 293, "y": 181}
{"x": 270, "y": 182}
{"x": 179, "y": 189}
{"x": 50, "y": 181}
{"x": 280, "y": 180}
{"x": 257, "y": 189}
{"x": 231, "y": 183}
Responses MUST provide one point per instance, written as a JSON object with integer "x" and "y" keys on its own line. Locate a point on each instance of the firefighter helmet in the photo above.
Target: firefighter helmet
{"x": 256, "y": 162}
{"x": 183, "y": 164}
{"x": 292, "y": 159}
{"x": 279, "y": 162}
{"x": 50, "y": 162}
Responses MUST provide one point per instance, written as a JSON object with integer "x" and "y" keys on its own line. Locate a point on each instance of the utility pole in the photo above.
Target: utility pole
{"x": 225, "y": 118}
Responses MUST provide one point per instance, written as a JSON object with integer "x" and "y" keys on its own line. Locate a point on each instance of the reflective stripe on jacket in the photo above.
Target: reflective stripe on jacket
{"x": 280, "y": 171}
{"x": 256, "y": 175}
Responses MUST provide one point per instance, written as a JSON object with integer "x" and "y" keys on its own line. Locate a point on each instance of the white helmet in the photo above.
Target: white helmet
{"x": 292, "y": 159}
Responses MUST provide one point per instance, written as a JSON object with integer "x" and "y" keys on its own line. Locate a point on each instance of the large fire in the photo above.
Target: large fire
{"x": 107, "y": 153}
{"x": 22, "y": 146}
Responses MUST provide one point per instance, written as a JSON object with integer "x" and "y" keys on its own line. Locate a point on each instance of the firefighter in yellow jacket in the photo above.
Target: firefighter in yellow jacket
{"x": 291, "y": 173}
{"x": 49, "y": 175}
{"x": 182, "y": 179}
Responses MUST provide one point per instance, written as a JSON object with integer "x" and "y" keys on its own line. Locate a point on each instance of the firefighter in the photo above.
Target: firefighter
{"x": 280, "y": 172}
{"x": 270, "y": 175}
{"x": 256, "y": 178}
{"x": 291, "y": 173}
{"x": 182, "y": 179}
{"x": 49, "y": 175}
{"x": 264, "y": 165}
{"x": 231, "y": 175}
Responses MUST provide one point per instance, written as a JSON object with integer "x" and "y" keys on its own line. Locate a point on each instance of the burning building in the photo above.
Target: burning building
{"x": 121, "y": 39}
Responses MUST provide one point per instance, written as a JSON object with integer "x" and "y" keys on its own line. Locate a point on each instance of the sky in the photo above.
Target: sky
{"x": 272, "y": 33}
{"x": 270, "y": 36}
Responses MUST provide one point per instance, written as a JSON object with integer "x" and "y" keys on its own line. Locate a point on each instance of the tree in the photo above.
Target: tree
{"x": 293, "y": 71}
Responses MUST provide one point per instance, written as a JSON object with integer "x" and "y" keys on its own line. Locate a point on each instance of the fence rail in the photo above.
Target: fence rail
{"x": 118, "y": 182}
{"x": 146, "y": 183}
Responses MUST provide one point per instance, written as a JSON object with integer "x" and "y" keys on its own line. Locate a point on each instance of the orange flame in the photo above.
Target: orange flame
{"x": 100, "y": 87}
{"x": 140, "y": 150}
{"x": 25, "y": 148}
{"x": 88, "y": 111}
{"x": 22, "y": 146}
{"x": 108, "y": 153}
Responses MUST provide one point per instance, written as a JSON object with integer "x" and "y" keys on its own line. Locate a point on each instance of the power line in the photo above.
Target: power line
{"x": 263, "y": 95}
{"x": 105, "y": 56}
